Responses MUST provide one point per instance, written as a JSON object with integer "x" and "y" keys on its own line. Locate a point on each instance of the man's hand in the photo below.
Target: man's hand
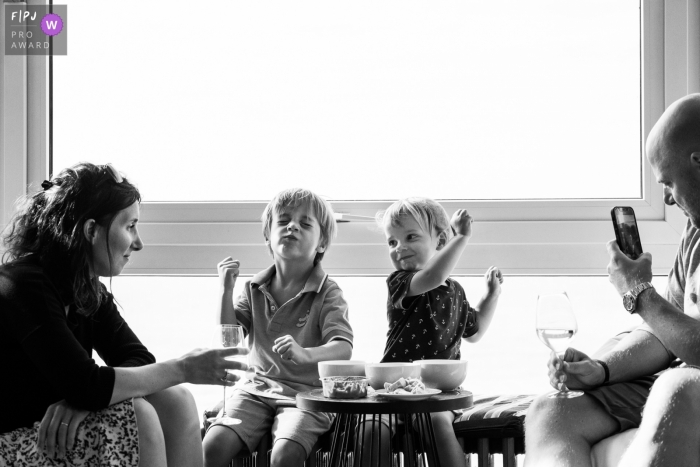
{"x": 58, "y": 429}
{"x": 575, "y": 369}
{"x": 228, "y": 272}
{"x": 288, "y": 349}
{"x": 494, "y": 279}
{"x": 461, "y": 223}
{"x": 625, "y": 273}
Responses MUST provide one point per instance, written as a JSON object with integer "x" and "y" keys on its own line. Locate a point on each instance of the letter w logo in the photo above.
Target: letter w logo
{"x": 51, "y": 25}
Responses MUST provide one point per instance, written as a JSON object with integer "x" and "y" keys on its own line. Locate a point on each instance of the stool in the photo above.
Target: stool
{"x": 494, "y": 425}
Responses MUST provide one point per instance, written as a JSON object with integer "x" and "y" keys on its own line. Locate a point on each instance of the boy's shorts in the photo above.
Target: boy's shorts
{"x": 625, "y": 401}
{"x": 260, "y": 415}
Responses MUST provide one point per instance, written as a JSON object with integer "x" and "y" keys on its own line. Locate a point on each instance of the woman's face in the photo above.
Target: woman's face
{"x": 123, "y": 240}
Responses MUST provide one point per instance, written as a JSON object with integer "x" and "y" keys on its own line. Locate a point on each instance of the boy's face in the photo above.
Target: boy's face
{"x": 295, "y": 234}
{"x": 410, "y": 247}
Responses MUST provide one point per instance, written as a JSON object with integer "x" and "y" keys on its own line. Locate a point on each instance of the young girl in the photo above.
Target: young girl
{"x": 428, "y": 312}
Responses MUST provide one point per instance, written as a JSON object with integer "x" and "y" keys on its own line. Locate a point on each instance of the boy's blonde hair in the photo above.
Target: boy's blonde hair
{"x": 428, "y": 213}
{"x": 295, "y": 197}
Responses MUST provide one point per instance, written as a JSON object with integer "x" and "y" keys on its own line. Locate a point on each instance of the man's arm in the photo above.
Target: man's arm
{"x": 637, "y": 354}
{"x": 676, "y": 331}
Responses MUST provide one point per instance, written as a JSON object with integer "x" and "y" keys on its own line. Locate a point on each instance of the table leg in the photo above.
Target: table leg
{"x": 409, "y": 450}
{"x": 432, "y": 441}
{"x": 336, "y": 443}
{"x": 359, "y": 440}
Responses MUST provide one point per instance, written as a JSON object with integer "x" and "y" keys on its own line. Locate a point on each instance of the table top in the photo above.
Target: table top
{"x": 375, "y": 404}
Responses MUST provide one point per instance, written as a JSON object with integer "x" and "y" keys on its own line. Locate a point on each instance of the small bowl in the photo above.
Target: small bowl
{"x": 344, "y": 387}
{"x": 341, "y": 368}
{"x": 380, "y": 373}
{"x": 444, "y": 375}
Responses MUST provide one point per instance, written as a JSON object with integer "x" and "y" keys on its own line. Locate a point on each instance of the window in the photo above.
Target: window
{"x": 365, "y": 101}
{"x": 557, "y": 230}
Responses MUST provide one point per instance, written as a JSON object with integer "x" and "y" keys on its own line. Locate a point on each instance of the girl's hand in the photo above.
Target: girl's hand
{"x": 494, "y": 279}
{"x": 208, "y": 366}
{"x": 228, "y": 272}
{"x": 58, "y": 428}
{"x": 461, "y": 223}
{"x": 288, "y": 349}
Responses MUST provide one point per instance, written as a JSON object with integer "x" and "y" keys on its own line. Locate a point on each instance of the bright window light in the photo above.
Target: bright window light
{"x": 362, "y": 100}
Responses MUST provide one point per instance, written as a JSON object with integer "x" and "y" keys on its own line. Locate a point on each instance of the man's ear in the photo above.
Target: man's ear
{"x": 90, "y": 230}
{"x": 442, "y": 240}
{"x": 321, "y": 248}
{"x": 695, "y": 159}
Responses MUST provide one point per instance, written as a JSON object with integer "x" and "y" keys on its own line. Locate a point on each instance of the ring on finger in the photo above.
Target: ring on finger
{"x": 224, "y": 378}
{"x": 64, "y": 424}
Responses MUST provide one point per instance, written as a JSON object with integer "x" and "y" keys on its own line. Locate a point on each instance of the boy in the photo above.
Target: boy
{"x": 295, "y": 316}
{"x": 428, "y": 312}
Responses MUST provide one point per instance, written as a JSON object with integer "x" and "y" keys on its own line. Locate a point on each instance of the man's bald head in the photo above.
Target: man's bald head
{"x": 673, "y": 149}
{"x": 677, "y": 133}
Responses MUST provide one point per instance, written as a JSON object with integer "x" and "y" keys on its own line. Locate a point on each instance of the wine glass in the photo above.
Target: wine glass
{"x": 229, "y": 335}
{"x": 556, "y": 326}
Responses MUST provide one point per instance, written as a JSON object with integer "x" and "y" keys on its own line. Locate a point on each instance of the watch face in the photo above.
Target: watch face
{"x": 629, "y": 302}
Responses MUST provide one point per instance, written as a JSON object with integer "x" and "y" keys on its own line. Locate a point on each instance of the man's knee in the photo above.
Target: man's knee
{"x": 676, "y": 391}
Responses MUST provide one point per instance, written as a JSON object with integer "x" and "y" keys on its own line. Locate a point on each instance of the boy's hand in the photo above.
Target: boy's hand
{"x": 228, "y": 272}
{"x": 461, "y": 223}
{"x": 288, "y": 349}
{"x": 494, "y": 279}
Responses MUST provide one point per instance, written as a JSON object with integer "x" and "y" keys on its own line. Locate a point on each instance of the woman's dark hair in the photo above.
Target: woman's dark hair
{"x": 49, "y": 224}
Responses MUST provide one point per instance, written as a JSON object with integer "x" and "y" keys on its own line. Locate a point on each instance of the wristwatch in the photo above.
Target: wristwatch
{"x": 629, "y": 300}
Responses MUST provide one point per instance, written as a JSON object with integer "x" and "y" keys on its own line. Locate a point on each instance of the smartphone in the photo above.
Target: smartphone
{"x": 626, "y": 231}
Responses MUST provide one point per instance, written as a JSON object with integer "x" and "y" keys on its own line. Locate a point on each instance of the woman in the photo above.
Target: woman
{"x": 57, "y": 406}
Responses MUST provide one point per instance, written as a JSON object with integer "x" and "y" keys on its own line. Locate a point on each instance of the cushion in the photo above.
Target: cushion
{"x": 495, "y": 417}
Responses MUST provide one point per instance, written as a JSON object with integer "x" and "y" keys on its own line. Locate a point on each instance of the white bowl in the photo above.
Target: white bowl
{"x": 341, "y": 368}
{"x": 444, "y": 375}
{"x": 380, "y": 373}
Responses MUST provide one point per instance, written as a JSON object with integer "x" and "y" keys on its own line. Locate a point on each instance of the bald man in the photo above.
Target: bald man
{"x": 560, "y": 432}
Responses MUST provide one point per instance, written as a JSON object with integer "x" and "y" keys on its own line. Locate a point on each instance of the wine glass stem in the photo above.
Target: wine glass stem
{"x": 224, "y": 406}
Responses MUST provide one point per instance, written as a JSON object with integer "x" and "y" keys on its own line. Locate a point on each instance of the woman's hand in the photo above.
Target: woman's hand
{"x": 228, "y": 272}
{"x": 208, "y": 366}
{"x": 288, "y": 349}
{"x": 58, "y": 428}
{"x": 575, "y": 369}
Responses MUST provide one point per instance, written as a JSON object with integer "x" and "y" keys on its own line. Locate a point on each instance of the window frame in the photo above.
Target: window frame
{"x": 520, "y": 236}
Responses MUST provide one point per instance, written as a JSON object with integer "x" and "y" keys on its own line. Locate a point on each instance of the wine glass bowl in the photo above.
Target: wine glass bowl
{"x": 226, "y": 336}
{"x": 556, "y": 326}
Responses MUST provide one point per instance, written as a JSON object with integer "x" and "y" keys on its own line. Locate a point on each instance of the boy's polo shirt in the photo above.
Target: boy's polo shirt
{"x": 315, "y": 316}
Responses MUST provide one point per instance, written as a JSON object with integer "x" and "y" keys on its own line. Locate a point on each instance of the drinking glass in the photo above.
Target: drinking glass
{"x": 556, "y": 326}
{"x": 229, "y": 335}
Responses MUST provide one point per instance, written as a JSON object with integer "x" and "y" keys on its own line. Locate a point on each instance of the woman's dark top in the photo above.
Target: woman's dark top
{"x": 46, "y": 356}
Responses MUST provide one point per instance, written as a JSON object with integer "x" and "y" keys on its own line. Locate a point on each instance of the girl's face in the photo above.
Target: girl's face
{"x": 410, "y": 247}
{"x": 123, "y": 240}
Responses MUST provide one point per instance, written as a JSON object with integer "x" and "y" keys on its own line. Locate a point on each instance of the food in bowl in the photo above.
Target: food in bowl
{"x": 341, "y": 368}
{"x": 444, "y": 375}
{"x": 405, "y": 386}
{"x": 344, "y": 387}
{"x": 380, "y": 373}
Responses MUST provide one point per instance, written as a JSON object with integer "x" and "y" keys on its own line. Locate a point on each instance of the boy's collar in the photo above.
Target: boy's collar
{"x": 313, "y": 283}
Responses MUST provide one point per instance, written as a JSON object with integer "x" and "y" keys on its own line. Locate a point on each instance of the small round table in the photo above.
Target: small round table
{"x": 356, "y": 410}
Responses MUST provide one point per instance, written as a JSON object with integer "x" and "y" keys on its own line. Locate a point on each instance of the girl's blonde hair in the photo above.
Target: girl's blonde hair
{"x": 294, "y": 197}
{"x": 427, "y": 212}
